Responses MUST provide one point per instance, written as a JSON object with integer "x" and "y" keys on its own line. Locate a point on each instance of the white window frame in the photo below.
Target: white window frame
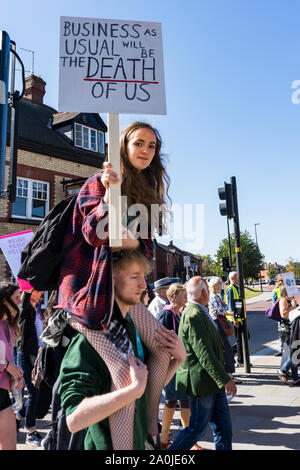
{"x": 80, "y": 130}
{"x": 30, "y": 199}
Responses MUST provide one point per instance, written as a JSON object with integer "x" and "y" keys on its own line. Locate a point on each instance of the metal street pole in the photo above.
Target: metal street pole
{"x": 239, "y": 266}
{"x": 257, "y": 247}
{"x": 4, "y": 76}
{"x": 229, "y": 244}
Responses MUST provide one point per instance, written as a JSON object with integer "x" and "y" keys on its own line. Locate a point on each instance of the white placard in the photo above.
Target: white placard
{"x": 111, "y": 66}
{"x": 12, "y": 246}
{"x": 290, "y": 284}
{"x": 115, "y": 215}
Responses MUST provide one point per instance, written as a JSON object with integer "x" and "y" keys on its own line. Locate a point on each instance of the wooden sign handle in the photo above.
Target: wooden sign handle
{"x": 115, "y": 209}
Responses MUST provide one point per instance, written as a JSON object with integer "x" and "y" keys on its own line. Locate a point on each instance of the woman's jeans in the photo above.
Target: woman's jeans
{"x": 286, "y": 366}
{"x": 29, "y": 407}
{"x": 212, "y": 410}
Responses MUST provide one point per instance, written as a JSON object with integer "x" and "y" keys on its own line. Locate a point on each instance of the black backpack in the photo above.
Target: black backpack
{"x": 41, "y": 258}
{"x": 59, "y": 437}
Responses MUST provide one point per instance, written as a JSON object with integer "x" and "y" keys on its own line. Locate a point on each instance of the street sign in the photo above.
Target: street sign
{"x": 111, "y": 66}
{"x": 186, "y": 261}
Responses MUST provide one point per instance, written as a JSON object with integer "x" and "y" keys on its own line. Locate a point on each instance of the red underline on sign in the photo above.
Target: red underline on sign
{"x": 117, "y": 81}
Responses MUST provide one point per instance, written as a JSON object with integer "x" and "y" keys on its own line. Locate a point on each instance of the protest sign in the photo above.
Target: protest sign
{"x": 111, "y": 66}
{"x": 290, "y": 284}
{"x": 12, "y": 246}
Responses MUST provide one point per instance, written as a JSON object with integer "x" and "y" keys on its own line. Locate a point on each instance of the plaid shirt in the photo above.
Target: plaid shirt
{"x": 85, "y": 287}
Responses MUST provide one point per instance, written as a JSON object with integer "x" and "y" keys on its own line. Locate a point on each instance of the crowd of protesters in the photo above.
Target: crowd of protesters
{"x": 129, "y": 348}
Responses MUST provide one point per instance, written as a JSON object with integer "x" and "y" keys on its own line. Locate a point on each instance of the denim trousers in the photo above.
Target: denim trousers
{"x": 212, "y": 410}
{"x": 288, "y": 365}
{"x": 29, "y": 407}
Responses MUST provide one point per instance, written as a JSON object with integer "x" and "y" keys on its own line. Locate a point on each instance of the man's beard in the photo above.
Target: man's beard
{"x": 127, "y": 300}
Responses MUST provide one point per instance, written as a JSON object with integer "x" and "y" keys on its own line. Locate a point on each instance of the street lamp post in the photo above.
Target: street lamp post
{"x": 257, "y": 247}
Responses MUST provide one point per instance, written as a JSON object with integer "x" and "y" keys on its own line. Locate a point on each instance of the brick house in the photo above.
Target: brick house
{"x": 57, "y": 152}
{"x": 277, "y": 267}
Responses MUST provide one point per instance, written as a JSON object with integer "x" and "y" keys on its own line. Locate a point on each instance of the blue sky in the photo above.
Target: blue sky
{"x": 229, "y": 68}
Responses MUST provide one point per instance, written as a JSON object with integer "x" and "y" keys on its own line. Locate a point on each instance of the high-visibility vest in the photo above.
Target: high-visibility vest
{"x": 235, "y": 297}
{"x": 277, "y": 291}
{"x": 234, "y": 290}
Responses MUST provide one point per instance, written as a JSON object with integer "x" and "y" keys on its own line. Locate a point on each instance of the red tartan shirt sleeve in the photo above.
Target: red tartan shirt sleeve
{"x": 94, "y": 214}
{"x": 94, "y": 211}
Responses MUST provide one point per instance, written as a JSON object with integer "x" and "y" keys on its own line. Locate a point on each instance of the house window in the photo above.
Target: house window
{"x": 32, "y": 199}
{"x": 89, "y": 139}
{"x": 101, "y": 142}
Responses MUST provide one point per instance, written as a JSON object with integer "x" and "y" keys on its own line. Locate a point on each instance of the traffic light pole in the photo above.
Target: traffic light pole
{"x": 10, "y": 99}
{"x": 239, "y": 266}
{"x": 229, "y": 244}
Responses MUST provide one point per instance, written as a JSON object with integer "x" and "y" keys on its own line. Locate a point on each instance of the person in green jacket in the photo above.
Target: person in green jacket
{"x": 203, "y": 375}
{"x": 85, "y": 381}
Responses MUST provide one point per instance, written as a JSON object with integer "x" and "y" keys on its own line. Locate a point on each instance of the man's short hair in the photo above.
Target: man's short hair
{"x": 193, "y": 289}
{"x": 123, "y": 259}
{"x": 232, "y": 274}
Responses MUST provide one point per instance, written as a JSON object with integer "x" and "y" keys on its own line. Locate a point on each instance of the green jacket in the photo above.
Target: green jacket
{"x": 203, "y": 371}
{"x": 84, "y": 374}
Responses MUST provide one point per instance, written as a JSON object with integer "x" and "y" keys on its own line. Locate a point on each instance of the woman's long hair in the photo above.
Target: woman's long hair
{"x": 7, "y": 289}
{"x": 150, "y": 186}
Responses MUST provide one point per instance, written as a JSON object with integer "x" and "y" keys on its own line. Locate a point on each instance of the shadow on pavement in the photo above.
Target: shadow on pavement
{"x": 255, "y": 425}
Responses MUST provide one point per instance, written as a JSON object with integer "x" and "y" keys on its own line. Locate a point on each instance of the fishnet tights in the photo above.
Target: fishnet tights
{"x": 158, "y": 363}
{"x": 122, "y": 422}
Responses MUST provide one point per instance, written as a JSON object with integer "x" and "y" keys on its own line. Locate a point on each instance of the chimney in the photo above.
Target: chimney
{"x": 35, "y": 88}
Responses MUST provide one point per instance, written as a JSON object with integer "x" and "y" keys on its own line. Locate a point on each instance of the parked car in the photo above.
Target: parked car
{"x": 297, "y": 281}
{"x": 271, "y": 282}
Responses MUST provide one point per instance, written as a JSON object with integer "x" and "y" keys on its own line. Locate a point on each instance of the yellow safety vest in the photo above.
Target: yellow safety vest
{"x": 236, "y": 297}
{"x": 234, "y": 290}
{"x": 277, "y": 290}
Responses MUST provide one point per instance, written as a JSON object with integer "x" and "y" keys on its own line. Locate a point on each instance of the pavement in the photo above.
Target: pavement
{"x": 265, "y": 296}
{"x": 265, "y": 412}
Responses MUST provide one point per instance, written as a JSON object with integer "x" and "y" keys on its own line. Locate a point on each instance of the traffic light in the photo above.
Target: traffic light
{"x": 226, "y": 208}
{"x": 226, "y": 264}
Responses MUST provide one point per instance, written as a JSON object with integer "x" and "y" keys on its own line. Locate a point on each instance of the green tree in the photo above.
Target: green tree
{"x": 272, "y": 272}
{"x": 251, "y": 255}
{"x": 293, "y": 266}
{"x": 209, "y": 267}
